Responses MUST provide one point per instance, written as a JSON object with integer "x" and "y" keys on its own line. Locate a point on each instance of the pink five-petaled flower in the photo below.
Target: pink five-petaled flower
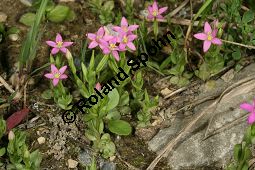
{"x": 126, "y": 40}
{"x": 155, "y": 12}
{"x": 208, "y": 36}
{"x": 250, "y": 108}
{"x": 112, "y": 48}
{"x": 56, "y": 74}
{"x": 98, "y": 39}
{"x": 58, "y": 45}
{"x": 124, "y": 27}
{"x": 98, "y": 86}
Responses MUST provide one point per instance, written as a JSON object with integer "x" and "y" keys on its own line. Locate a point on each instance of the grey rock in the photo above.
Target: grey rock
{"x": 109, "y": 166}
{"x": 85, "y": 157}
{"x": 216, "y": 151}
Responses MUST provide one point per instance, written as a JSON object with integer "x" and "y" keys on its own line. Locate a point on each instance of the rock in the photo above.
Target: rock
{"x": 72, "y": 163}
{"x": 26, "y": 2}
{"x": 216, "y": 151}
{"x": 41, "y": 140}
{"x": 165, "y": 92}
{"x": 85, "y": 157}
{"x": 13, "y": 37}
{"x": 109, "y": 166}
{"x": 3, "y": 17}
{"x": 228, "y": 76}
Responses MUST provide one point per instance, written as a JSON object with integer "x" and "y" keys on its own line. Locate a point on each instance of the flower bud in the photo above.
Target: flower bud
{"x": 26, "y": 154}
{"x": 98, "y": 86}
{"x": 11, "y": 135}
{"x": 68, "y": 55}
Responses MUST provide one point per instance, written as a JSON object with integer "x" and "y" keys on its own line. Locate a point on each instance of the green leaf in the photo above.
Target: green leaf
{"x": 113, "y": 99}
{"x": 237, "y": 152}
{"x": 13, "y": 30}
{"x": 2, "y": 151}
{"x": 71, "y": 16}
{"x": 47, "y": 94}
{"x": 27, "y": 19}
{"x": 101, "y": 64}
{"x": 108, "y": 5}
{"x": 58, "y": 14}
{"x": 119, "y": 127}
{"x": 248, "y": 16}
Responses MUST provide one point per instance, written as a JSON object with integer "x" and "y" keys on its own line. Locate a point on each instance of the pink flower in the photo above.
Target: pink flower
{"x": 58, "y": 45}
{"x": 99, "y": 38}
{"x": 112, "y": 48}
{"x": 208, "y": 36}
{"x": 155, "y": 12}
{"x": 126, "y": 40}
{"x": 56, "y": 74}
{"x": 124, "y": 27}
{"x": 98, "y": 86}
{"x": 250, "y": 108}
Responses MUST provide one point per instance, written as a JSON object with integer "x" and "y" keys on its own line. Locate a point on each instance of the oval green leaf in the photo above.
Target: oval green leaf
{"x": 119, "y": 127}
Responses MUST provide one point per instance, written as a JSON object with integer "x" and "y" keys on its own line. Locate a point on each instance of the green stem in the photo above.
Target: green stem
{"x": 155, "y": 29}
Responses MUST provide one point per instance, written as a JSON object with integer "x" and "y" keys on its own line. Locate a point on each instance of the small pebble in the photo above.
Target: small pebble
{"x": 26, "y": 2}
{"x": 3, "y": 17}
{"x": 13, "y": 37}
{"x": 72, "y": 163}
{"x": 165, "y": 91}
{"x": 41, "y": 140}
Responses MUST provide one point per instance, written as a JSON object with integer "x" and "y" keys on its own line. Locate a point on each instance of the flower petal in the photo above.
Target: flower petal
{"x": 159, "y": 17}
{"x": 246, "y": 106}
{"x": 54, "y": 50}
{"x": 67, "y": 44}
{"x": 107, "y": 37}
{"x": 216, "y": 41}
{"x": 207, "y": 27}
{"x": 116, "y": 55}
{"x": 124, "y": 22}
{"x": 155, "y": 6}
{"x": 91, "y": 36}
{"x": 161, "y": 10}
{"x": 132, "y": 37}
{"x": 62, "y": 69}
{"x": 49, "y": 75}
{"x": 200, "y": 36}
{"x": 150, "y": 17}
{"x": 63, "y": 49}
{"x": 131, "y": 46}
{"x": 59, "y": 38}
{"x": 55, "y": 81}
{"x": 93, "y": 44}
{"x": 133, "y": 27}
{"x": 51, "y": 43}
{"x": 53, "y": 68}
{"x": 106, "y": 50}
{"x": 214, "y": 33}
{"x": 63, "y": 76}
{"x": 206, "y": 45}
{"x": 150, "y": 10}
{"x": 98, "y": 86}
{"x": 122, "y": 46}
{"x": 251, "y": 118}
{"x": 100, "y": 32}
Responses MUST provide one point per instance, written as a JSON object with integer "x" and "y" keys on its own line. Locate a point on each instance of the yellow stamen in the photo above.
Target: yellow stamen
{"x": 112, "y": 46}
{"x": 209, "y": 36}
{"x": 125, "y": 39}
{"x": 59, "y": 44}
{"x": 56, "y": 75}
{"x": 155, "y": 13}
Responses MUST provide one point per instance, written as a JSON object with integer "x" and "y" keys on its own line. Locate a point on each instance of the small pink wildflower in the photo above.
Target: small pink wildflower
{"x": 250, "y": 108}
{"x": 98, "y": 86}
{"x": 155, "y": 12}
{"x": 126, "y": 40}
{"x": 56, "y": 74}
{"x": 208, "y": 36}
{"x": 98, "y": 39}
{"x": 58, "y": 45}
{"x": 124, "y": 27}
{"x": 112, "y": 48}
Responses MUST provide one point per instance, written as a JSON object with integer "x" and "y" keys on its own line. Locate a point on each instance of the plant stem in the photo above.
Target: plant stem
{"x": 239, "y": 44}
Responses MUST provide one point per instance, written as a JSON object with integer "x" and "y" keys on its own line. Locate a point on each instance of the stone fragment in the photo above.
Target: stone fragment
{"x": 3, "y": 17}
{"x": 41, "y": 140}
{"x": 72, "y": 163}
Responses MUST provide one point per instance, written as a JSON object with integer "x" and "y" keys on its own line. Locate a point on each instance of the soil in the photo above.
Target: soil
{"x": 131, "y": 149}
